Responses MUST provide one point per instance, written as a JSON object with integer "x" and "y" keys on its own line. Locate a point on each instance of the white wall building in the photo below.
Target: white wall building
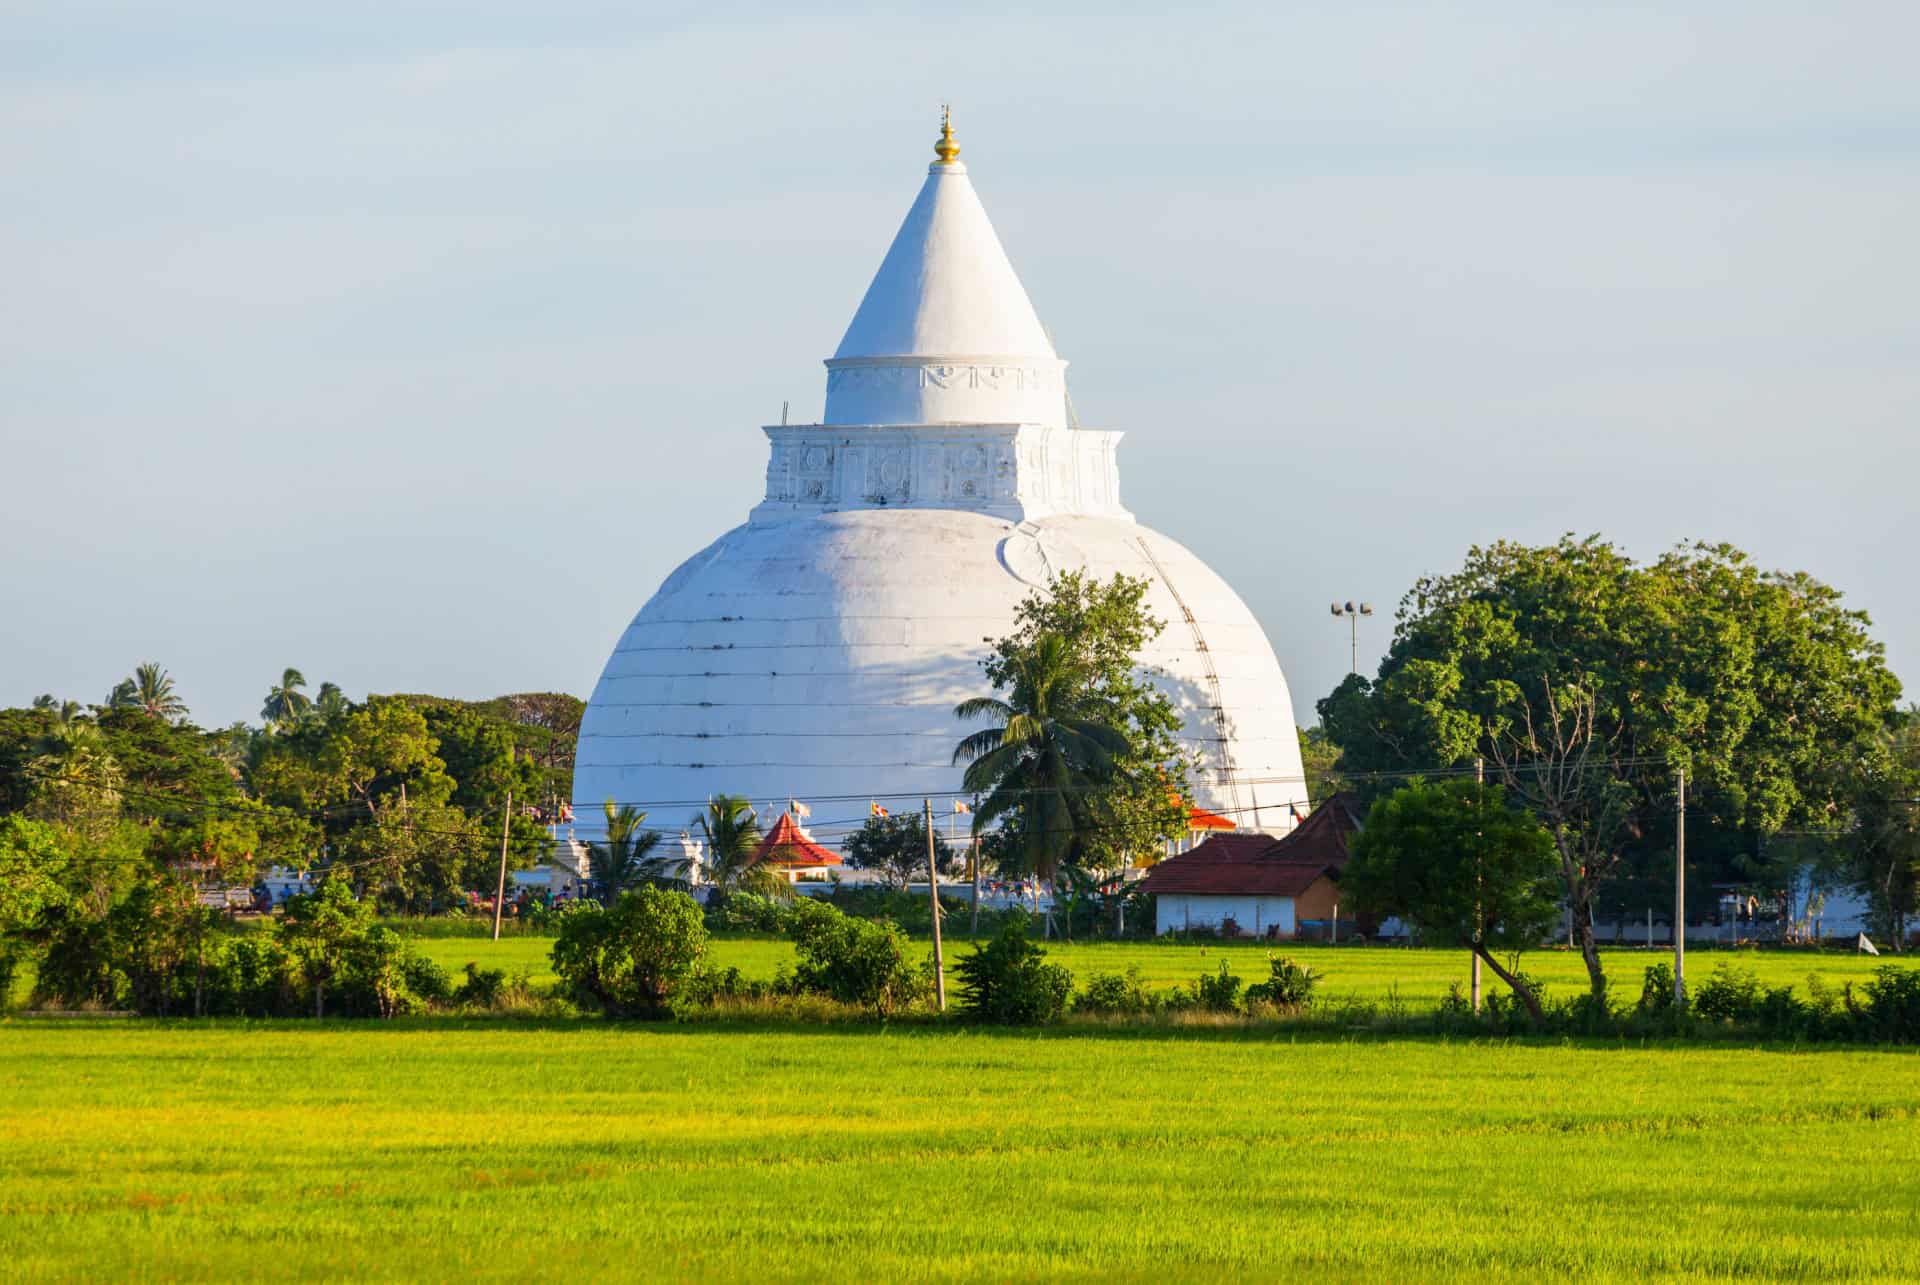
{"x": 817, "y": 651}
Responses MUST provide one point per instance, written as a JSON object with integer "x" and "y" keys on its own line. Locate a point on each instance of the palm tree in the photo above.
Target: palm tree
{"x": 286, "y": 704}
{"x": 151, "y": 690}
{"x": 1038, "y": 762}
{"x": 625, "y": 859}
{"x": 730, "y": 836}
{"x": 65, "y": 713}
{"x": 331, "y": 703}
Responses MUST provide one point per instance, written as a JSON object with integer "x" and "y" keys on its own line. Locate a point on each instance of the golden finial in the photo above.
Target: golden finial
{"x": 946, "y": 149}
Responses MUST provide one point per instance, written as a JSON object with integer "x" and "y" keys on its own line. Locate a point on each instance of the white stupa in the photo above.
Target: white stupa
{"x": 817, "y": 651}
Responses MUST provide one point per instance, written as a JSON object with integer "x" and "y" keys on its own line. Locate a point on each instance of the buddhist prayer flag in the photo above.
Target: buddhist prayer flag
{"x": 798, "y": 808}
{"x": 878, "y": 810}
{"x": 958, "y": 806}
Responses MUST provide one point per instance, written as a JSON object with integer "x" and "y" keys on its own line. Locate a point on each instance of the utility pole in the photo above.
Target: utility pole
{"x": 973, "y": 924}
{"x": 1680, "y": 893}
{"x": 933, "y": 888}
{"x": 1479, "y": 778}
{"x": 500, "y": 889}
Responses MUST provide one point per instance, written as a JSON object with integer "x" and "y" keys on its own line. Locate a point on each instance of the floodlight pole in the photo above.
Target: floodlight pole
{"x": 1680, "y": 892}
{"x": 1353, "y": 614}
{"x": 933, "y": 889}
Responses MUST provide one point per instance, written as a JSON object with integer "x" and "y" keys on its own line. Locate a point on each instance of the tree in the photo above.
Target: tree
{"x": 286, "y": 704}
{"x": 895, "y": 848}
{"x": 319, "y": 929}
{"x": 331, "y": 703}
{"x": 34, "y": 869}
{"x": 150, "y": 690}
{"x": 1008, "y": 980}
{"x": 1462, "y": 866}
{"x": 380, "y": 752}
{"x": 631, "y": 958}
{"x": 1047, "y": 751}
{"x": 730, "y": 840}
{"x": 624, "y": 859}
{"x": 1132, "y": 809}
{"x": 855, "y": 961}
{"x": 1584, "y": 679}
{"x": 73, "y": 779}
{"x": 1880, "y": 847}
{"x": 419, "y": 859}
{"x": 1320, "y": 762}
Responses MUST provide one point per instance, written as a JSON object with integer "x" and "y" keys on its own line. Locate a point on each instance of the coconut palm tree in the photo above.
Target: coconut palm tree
{"x": 65, "y": 713}
{"x": 331, "y": 703}
{"x": 730, "y": 838}
{"x": 286, "y": 704}
{"x": 151, "y": 690}
{"x": 625, "y": 859}
{"x": 1043, "y": 753}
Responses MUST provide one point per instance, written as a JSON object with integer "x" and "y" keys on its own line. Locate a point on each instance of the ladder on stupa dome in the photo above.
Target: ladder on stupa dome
{"x": 1213, "y": 684}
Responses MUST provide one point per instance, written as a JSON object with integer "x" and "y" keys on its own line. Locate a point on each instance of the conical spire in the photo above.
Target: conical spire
{"x": 946, "y": 332}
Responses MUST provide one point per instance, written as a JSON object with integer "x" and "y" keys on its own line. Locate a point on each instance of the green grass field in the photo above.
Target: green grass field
{"x": 443, "y": 1148}
{"x": 1374, "y": 973}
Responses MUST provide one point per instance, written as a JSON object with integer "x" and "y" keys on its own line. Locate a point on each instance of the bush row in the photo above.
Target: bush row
{"x": 325, "y": 956}
{"x": 645, "y": 955}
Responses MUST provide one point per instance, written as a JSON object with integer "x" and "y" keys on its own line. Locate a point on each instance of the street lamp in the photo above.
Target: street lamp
{"x": 1353, "y": 614}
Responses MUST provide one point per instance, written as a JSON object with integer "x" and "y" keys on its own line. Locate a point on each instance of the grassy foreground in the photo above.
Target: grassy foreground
{"x": 1373, "y": 973}
{"x": 443, "y": 1148}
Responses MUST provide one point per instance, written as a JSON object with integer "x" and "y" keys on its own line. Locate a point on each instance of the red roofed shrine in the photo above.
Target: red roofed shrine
{"x": 792, "y": 853}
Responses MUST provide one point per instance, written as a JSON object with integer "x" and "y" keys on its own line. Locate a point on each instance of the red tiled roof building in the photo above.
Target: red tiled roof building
{"x": 1256, "y": 885}
{"x": 792, "y": 852}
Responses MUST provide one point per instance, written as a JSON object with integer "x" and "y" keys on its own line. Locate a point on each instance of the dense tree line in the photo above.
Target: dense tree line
{"x": 116, "y": 814}
{"x": 1582, "y": 682}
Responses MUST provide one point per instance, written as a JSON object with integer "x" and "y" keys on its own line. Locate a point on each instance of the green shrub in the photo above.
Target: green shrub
{"x": 251, "y": 976}
{"x": 1505, "y": 1011}
{"x": 1289, "y": 984}
{"x": 749, "y": 912}
{"x": 1779, "y": 1012}
{"x": 630, "y": 958}
{"x": 1730, "y": 994}
{"x": 854, "y": 961}
{"x": 482, "y": 988}
{"x": 1118, "y": 993}
{"x": 1656, "y": 992}
{"x": 1219, "y": 993}
{"x": 426, "y": 979}
{"x": 1007, "y": 980}
{"x": 1893, "y": 1006}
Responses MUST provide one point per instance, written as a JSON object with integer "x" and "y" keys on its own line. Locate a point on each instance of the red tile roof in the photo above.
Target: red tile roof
{"x": 786, "y": 846}
{"x": 1259, "y": 865}
{"x": 1198, "y": 818}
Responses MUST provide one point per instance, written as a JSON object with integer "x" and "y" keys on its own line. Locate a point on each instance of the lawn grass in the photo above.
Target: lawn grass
{"x": 443, "y": 1148}
{"x": 1373, "y": 973}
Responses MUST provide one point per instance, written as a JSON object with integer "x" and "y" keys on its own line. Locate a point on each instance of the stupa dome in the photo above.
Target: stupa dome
{"x": 816, "y": 652}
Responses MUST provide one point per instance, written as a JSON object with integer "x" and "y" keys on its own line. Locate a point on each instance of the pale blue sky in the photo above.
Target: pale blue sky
{"x": 413, "y": 344}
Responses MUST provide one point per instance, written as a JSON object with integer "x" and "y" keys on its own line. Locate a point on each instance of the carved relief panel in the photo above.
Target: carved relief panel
{"x": 890, "y": 474}
{"x": 813, "y": 472}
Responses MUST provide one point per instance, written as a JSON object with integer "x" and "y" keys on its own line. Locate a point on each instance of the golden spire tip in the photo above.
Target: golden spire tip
{"x": 946, "y": 149}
